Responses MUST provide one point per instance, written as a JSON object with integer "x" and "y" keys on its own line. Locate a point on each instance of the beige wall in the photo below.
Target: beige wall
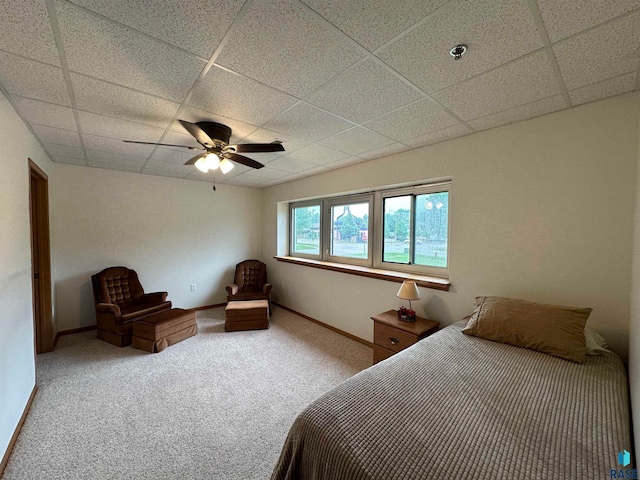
{"x": 541, "y": 210}
{"x": 172, "y": 232}
{"x": 17, "y": 366}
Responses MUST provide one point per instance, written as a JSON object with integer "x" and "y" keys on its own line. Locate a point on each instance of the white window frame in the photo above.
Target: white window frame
{"x": 292, "y": 232}
{"x": 442, "y": 272}
{"x": 327, "y": 229}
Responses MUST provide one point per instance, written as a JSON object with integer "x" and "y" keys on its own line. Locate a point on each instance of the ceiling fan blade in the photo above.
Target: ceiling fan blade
{"x": 199, "y": 134}
{"x": 242, "y": 160}
{"x": 163, "y": 144}
{"x": 193, "y": 160}
{"x": 256, "y": 147}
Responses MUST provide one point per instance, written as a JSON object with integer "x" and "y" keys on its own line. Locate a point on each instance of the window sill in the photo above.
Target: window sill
{"x": 391, "y": 276}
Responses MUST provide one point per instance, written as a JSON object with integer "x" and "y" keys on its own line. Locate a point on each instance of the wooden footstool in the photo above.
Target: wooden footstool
{"x": 156, "y": 332}
{"x": 246, "y": 315}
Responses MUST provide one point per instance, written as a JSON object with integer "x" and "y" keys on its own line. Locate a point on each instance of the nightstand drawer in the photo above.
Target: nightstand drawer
{"x": 380, "y": 353}
{"x": 392, "y": 338}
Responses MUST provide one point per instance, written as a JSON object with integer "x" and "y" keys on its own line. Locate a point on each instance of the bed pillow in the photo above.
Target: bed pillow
{"x": 551, "y": 329}
{"x": 596, "y": 345}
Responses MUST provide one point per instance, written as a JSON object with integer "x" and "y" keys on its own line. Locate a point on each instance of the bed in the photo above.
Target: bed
{"x": 458, "y": 406}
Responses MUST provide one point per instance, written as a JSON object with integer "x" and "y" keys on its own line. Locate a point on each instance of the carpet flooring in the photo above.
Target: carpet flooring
{"x": 215, "y": 406}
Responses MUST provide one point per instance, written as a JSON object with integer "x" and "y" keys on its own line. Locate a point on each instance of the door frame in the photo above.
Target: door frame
{"x": 40, "y": 258}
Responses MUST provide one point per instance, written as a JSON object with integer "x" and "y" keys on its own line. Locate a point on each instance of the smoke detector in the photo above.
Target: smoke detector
{"x": 457, "y": 51}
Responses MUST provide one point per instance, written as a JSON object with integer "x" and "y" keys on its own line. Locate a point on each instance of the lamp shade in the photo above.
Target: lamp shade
{"x": 408, "y": 291}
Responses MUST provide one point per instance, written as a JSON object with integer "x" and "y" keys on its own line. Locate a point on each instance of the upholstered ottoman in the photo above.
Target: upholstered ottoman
{"x": 246, "y": 315}
{"x": 156, "y": 332}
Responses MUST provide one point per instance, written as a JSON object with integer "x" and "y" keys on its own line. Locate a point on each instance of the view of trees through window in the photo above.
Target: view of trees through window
{"x": 350, "y": 230}
{"x": 306, "y": 227}
{"x": 430, "y": 229}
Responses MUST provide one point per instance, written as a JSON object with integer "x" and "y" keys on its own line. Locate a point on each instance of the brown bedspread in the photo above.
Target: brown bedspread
{"x": 455, "y": 406}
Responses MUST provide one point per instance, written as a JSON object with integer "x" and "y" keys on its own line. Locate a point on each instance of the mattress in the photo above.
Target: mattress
{"x": 456, "y": 406}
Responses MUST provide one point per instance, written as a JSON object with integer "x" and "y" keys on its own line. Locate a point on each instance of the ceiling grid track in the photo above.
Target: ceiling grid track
{"x": 55, "y": 26}
{"x": 542, "y": 31}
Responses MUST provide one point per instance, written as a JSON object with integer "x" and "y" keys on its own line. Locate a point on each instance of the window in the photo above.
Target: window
{"x": 305, "y": 230}
{"x": 416, "y": 229}
{"x": 404, "y": 229}
{"x": 349, "y": 230}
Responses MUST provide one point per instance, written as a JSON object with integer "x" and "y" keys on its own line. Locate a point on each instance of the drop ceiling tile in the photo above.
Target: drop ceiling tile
{"x": 262, "y": 135}
{"x": 607, "y": 88}
{"x": 439, "y": 136}
{"x": 563, "y": 18}
{"x": 245, "y": 180}
{"x": 115, "y": 166}
{"x": 316, "y": 154}
{"x": 384, "y": 151}
{"x": 239, "y": 129}
{"x": 159, "y": 166}
{"x": 601, "y": 53}
{"x": 232, "y": 95}
{"x": 28, "y": 78}
{"x": 57, "y": 135}
{"x": 416, "y": 119}
{"x": 520, "y": 82}
{"x": 277, "y": 181}
{"x": 69, "y": 161}
{"x": 25, "y": 30}
{"x": 267, "y": 173}
{"x": 495, "y": 32}
{"x": 63, "y": 151}
{"x": 99, "y": 48}
{"x": 345, "y": 162}
{"x": 187, "y": 25}
{"x": 308, "y": 122}
{"x": 372, "y": 24}
{"x": 115, "y": 145}
{"x": 290, "y": 165}
{"x": 96, "y": 156}
{"x": 285, "y": 45}
{"x": 363, "y": 92}
{"x": 100, "y": 125}
{"x": 42, "y": 113}
{"x": 173, "y": 155}
{"x": 116, "y": 101}
{"x": 356, "y": 141}
{"x": 534, "y": 109}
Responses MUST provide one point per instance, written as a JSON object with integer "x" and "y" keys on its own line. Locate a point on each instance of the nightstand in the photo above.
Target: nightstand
{"x": 391, "y": 335}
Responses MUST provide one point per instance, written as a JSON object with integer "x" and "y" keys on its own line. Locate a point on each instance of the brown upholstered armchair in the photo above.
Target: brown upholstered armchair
{"x": 250, "y": 283}
{"x": 119, "y": 300}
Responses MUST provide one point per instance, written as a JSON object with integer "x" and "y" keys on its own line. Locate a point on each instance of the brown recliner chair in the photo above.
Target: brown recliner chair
{"x": 250, "y": 283}
{"x": 119, "y": 300}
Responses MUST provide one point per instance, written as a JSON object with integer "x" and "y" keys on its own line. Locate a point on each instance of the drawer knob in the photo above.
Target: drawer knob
{"x": 394, "y": 341}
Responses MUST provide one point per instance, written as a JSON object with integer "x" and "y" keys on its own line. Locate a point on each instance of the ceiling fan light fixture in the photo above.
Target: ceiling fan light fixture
{"x": 225, "y": 165}
{"x": 201, "y": 165}
{"x": 212, "y": 160}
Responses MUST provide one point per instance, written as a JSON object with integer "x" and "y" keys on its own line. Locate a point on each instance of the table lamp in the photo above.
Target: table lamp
{"x": 409, "y": 291}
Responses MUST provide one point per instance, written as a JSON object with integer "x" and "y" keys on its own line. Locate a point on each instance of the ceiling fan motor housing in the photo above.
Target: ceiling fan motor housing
{"x": 216, "y": 131}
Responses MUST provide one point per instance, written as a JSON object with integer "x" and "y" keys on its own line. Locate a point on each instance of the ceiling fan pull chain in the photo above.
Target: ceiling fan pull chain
{"x": 214, "y": 180}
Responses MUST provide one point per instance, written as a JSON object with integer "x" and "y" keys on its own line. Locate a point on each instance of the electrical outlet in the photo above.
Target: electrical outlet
{"x": 283, "y": 285}
{"x": 193, "y": 287}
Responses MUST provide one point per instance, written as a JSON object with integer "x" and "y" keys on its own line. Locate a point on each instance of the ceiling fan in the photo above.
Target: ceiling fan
{"x": 217, "y": 153}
